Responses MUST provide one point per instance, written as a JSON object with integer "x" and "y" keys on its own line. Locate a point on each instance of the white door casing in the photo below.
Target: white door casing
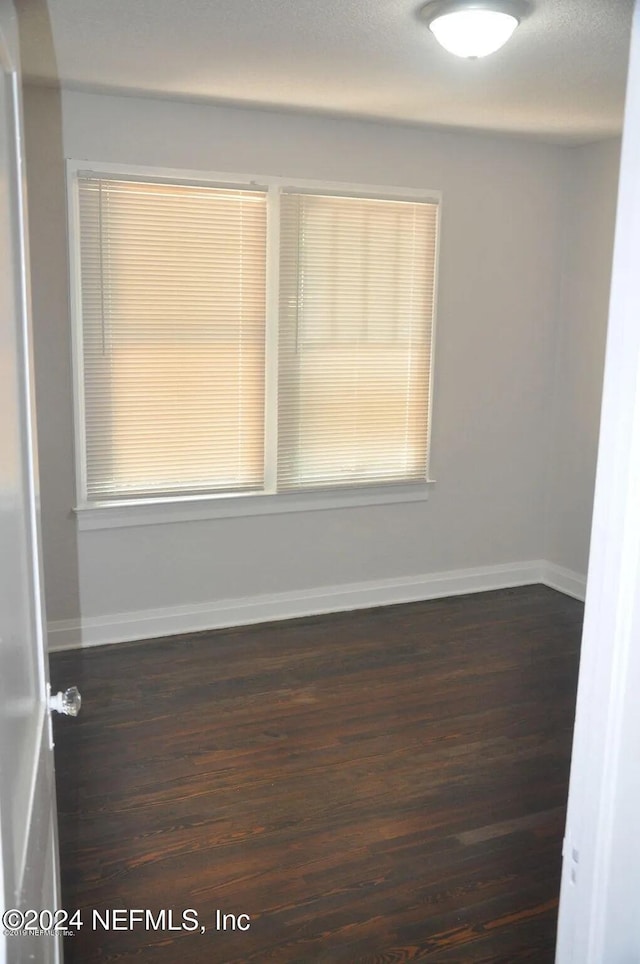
{"x": 28, "y": 834}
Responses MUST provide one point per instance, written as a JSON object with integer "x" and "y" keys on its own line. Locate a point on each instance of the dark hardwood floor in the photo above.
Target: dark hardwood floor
{"x": 380, "y": 786}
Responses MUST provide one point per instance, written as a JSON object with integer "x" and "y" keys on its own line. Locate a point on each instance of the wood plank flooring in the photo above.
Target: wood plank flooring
{"x": 379, "y": 786}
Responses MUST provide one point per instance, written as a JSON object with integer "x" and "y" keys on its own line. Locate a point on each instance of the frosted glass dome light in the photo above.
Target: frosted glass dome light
{"x": 473, "y": 31}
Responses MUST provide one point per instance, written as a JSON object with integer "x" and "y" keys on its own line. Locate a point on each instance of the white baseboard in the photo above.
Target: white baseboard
{"x": 564, "y": 580}
{"x": 172, "y": 620}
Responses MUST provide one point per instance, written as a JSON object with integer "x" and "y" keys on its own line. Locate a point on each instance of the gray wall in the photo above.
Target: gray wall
{"x": 49, "y": 293}
{"x": 507, "y": 207}
{"x": 591, "y": 193}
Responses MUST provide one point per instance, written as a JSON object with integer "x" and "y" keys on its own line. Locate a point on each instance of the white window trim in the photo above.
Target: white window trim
{"x": 117, "y": 514}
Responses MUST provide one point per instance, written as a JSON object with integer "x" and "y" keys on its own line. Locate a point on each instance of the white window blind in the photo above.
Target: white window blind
{"x": 173, "y": 337}
{"x": 356, "y": 311}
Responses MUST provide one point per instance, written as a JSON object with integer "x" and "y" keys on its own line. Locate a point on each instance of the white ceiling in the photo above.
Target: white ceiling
{"x": 561, "y": 77}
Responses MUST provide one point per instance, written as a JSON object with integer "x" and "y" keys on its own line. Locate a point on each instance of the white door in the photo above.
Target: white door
{"x": 28, "y": 856}
{"x": 599, "y": 921}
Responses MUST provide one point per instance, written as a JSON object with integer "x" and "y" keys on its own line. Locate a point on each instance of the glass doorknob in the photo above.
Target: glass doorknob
{"x": 68, "y": 703}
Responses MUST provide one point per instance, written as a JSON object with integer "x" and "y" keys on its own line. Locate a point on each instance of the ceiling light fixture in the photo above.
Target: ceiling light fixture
{"x": 472, "y": 28}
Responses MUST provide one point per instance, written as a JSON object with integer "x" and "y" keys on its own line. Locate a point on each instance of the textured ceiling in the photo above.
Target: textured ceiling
{"x": 561, "y": 76}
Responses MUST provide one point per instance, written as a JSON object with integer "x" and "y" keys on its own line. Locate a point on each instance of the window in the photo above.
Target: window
{"x": 236, "y": 338}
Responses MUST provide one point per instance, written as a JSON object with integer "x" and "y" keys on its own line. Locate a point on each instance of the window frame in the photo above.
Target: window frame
{"x": 154, "y": 510}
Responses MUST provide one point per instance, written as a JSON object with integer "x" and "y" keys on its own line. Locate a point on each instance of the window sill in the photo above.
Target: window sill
{"x": 116, "y": 515}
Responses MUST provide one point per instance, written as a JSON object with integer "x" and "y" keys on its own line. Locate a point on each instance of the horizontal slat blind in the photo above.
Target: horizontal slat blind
{"x": 356, "y": 312}
{"x": 173, "y": 306}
